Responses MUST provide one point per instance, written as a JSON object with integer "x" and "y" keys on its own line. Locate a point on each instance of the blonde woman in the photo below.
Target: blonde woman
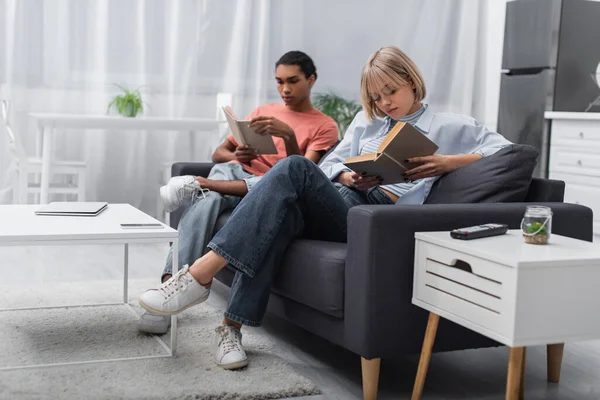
{"x": 297, "y": 198}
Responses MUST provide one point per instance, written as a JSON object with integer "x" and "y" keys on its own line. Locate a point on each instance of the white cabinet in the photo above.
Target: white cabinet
{"x": 575, "y": 158}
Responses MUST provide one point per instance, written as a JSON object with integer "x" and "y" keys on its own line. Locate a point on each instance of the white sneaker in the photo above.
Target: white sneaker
{"x": 151, "y": 323}
{"x": 180, "y": 292}
{"x": 178, "y": 189}
{"x": 230, "y": 354}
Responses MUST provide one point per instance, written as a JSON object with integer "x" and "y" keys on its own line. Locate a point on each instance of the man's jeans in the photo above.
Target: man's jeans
{"x": 198, "y": 222}
{"x": 295, "y": 198}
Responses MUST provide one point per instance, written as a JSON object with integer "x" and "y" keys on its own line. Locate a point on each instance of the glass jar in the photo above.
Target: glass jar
{"x": 537, "y": 224}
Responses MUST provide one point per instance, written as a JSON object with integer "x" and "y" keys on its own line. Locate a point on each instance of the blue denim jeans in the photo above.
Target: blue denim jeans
{"x": 198, "y": 221}
{"x": 294, "y": 198}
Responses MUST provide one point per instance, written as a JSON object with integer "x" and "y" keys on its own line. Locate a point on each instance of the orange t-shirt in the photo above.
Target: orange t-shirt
{"x": 314, "y": 131}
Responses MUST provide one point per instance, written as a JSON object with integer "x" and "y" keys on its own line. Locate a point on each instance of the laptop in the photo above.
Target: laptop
{"x": 72, "y": 208}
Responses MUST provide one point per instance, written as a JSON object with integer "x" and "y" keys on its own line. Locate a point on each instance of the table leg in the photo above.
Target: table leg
{"x": 515, "y": 368}
{"x": 554, "y": 354}
{"x": 174, "y": 269}
{"x": 192, "y": 145}
{"x": 523, "y": 368}
{"x": 126, "y": 275}
{"x": 46, "y": 160}
{"x": 428, "y": 342}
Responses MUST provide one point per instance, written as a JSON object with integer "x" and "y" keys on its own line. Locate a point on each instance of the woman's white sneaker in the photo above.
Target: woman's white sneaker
{"x": 181, "y": 291}
{"x": 229, "y": 353}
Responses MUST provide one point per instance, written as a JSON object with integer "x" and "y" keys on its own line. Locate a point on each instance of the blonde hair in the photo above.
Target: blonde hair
{"x": 388, "y": 66}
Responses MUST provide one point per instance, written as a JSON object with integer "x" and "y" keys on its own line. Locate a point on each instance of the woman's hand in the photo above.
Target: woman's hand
{"x": 244, "y": 153}
{"x": 433, "y": 165}
{"x": 359, "y": 182}
{"x": 272, "y": 126}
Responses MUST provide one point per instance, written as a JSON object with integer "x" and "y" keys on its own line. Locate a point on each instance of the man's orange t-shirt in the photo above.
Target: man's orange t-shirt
{"x": 314, "y": 131}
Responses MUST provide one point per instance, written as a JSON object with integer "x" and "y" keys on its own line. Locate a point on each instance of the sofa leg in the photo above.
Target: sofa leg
{"x": 430, "y": 332}
{"x": 370, "y": 377}
{"x": 554, "y": 354}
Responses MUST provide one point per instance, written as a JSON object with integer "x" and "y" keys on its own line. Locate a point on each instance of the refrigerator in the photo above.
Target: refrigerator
{"x": 549, "y": 61}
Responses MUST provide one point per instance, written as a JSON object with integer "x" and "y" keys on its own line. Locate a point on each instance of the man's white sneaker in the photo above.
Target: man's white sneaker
{"x": 181, "y": 291}
{"x": 230, "y": 354}
{"x": 178, "y": 189}
{"x": 151, "y": 323}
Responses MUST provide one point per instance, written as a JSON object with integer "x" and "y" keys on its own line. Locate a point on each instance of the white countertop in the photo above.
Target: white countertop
{"x": 572, "y": 115}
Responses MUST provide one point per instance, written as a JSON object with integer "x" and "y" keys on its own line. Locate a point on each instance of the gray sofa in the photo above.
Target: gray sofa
{"x": 358, "y": 294}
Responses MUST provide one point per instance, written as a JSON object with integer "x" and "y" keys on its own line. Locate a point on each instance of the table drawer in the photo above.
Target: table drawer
{"x": 575, "y": 133}
{"x": 471, "y": 288}
{"x": 574, "y": 161}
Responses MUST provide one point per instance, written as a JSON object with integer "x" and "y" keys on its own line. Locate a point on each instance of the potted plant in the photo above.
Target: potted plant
{"x": 128, "y": 104}
{"x": 341, "y": 110}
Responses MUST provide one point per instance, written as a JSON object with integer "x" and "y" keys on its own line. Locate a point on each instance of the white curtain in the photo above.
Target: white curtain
{"x": 65, "y": 56}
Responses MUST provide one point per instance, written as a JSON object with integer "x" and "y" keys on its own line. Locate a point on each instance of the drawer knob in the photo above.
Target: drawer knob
{"x": 579, "y": 163}
{"x": 581, "y": 135}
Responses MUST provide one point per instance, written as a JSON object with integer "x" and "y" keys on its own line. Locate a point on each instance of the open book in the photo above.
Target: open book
{"x": 389, "y": 162}
{"x": 245, "y": 135}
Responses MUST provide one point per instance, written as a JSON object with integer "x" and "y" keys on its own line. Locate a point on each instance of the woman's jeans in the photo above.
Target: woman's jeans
{"x": 294, "y": 198}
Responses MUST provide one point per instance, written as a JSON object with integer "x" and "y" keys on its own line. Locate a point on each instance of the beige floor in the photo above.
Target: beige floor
{"x": 477, "y": 374}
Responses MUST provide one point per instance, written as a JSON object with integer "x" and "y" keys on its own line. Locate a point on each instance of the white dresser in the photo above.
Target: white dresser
{"x": 575, "y": 158}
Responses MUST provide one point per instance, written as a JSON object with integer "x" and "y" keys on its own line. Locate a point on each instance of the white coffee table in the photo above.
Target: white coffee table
{"x": 20, "y": 226}
{"x": 515, "y": 293}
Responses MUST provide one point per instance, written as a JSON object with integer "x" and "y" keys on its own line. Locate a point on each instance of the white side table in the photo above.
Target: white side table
{"x": 515, "y": 293}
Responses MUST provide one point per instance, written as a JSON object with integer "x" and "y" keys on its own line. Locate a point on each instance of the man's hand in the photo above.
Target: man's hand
{"x": 433, "y": 165}
{"x": 204, "y": 183}
{"x": 272, "y": 126}
{"x": 359, "y": 182}
{"x": 245, "y": 153}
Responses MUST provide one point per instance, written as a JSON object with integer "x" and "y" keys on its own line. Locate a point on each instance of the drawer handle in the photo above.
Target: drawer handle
{"x": 579, "y": 163}
{"x": 581, "y": 135}
{"x": 462, "y": 265}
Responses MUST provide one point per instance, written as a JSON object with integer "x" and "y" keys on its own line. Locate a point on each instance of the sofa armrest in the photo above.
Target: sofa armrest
{"x": 191, "y": 168}
{"x": 187, "y": 168}
{"x": 380, "y": 320}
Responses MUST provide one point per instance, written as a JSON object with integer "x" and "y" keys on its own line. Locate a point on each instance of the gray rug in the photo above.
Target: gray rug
{"x": 76, "y": 334}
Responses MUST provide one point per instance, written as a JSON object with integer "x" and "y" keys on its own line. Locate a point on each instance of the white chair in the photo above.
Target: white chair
{"x": 22, "y": 186}
{"x": 223, "y": 99}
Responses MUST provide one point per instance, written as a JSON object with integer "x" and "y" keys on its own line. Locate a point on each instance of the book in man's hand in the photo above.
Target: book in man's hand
{"x": 389, "y": 162}
{"x": 243, "y": 134}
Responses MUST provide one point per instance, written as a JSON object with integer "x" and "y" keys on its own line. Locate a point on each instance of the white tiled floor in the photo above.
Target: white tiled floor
{"x": 475, "y": 374}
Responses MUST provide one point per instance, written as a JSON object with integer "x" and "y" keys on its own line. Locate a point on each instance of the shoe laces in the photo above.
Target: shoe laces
{"x": 176, "y": 283}
{"x": 198, "y": 192}
{"x": 231, "y": 339}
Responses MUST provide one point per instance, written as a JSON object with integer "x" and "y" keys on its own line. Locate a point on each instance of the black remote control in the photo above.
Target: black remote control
{"x": 479, "y": 231}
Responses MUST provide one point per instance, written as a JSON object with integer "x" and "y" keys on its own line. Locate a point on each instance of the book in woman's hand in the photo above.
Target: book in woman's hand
{"x": 389, "y": 162}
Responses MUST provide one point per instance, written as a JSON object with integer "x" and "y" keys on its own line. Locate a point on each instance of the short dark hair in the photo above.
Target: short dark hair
{"x": 300, "y": 59}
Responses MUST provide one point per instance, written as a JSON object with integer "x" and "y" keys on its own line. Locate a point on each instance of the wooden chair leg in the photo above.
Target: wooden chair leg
{"x": 515, "y": 367}
{"x": 432, "y": 325}
{"x": 522, "y": 383}
{"x": 370, "y": 377}
{"x": 554, "y": 355}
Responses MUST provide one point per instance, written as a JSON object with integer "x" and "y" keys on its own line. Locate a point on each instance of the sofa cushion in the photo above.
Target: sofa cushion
{"x": 504, "y": 176}
{"x": 312, "y": 273}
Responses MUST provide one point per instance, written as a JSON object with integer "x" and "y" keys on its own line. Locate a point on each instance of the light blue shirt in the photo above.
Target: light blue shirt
{"x": 453, "y": 133}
